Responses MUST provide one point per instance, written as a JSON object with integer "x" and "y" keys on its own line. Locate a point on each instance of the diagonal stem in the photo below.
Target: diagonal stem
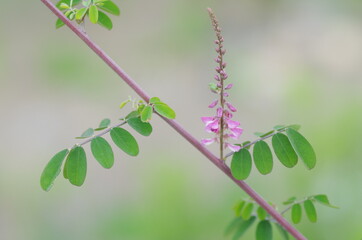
{"x": 196, "y": 143}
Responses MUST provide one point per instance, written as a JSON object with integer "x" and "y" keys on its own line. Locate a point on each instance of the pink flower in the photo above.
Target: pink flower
{"x": 229, "y": 86}
{"x": 213, "y": 104}
{"x": 235, "y": 133}
{"x": 231, "y": 107}
{"x": 219, "y": 112}
{"x": 208, "y": 141}
{"x": 232, "y": 147}
{"x": 232, "y": 124}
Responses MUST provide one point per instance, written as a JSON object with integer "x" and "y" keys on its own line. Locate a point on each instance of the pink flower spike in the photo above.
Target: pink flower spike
{"x": 232, "y": 147}
{"x": 219, "y": 112}
{"x": 213, "y": 104}
{"x": 208, "y": 141}
{"x": 229, "y": 86}
{"x": 231, "y": 107}
{"x": 232, "y": 124}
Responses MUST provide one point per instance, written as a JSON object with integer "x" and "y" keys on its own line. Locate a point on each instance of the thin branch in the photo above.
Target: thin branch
{"x": 196, "y": 143}
{"x": 257, "y": 140}
{"x": 101, "y": 134}
{"x": 291, "y": 205}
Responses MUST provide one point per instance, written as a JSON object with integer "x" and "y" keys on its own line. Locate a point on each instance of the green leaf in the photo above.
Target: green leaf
{"x": 302, "y": 147}
{"x": 296, "y": 127}
{"x": 142, "y": 128}
{"x": 290, "y": 200}
{"x": 87, "y": 133}
{"x": 104, "y": 20}
{"x": 310, "y": 211}
{"x": 110, "y": 7}
{"x": 52, "y": 170}
{"x": 284, "y": 234}
{"x": 67, "y": 2}
{"x": 102, "y": 152}
{"x": 246, "y": 143}
{"x": 279, "y": 127}
{"x": 260, "y": 134}
{"x": 323, "y": 199}
{"x": 146, "y": 114}
{"x": 80, "y": 13}
{"x": 104, "y": 124}
{"x": 64, "y": 6}
{"x": 264, "y": 230}
{"x": 124, "y": 103}
{"x": 296, "y": 213}
{"x": 243, "y": 227}
{"x": 263, "y": 157}
{"x": 233, "y": 226}
{"x": 76, "y": 166}
{"x": 59, "y": 23}
{"x": 284, "y": 151}
{"x": 261, "y": 213}
{"x": 239, "y": 207}
{"x": 125, "y": 141}
{"x": 93, "y": 14}
{"x": 241, "y": 164}
{"x": 247, "y": 211}
{"x": 154, "y": 100}
{"x": 164, "y": 110}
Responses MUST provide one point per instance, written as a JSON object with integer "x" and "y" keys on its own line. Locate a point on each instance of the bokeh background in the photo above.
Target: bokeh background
{"x": 290, "y": 62}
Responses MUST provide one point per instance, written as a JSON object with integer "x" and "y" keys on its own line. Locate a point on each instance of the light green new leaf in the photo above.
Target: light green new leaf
{"x": 323, "y": 199}
{"x": 284, "y": 234}
{"x": 124, "y": 103}
{"x": 241, "y": 164}
{"x": 164, "y": 110}
{"x": 125, "y": 141}
{"x": 296, "y": 213}
{"x": 247, "y": 211}
{"x": 93, "y": 14}
{"x": 279, "y": 127}
{"x": 260, "y": 134}
{"x": 296, "y": 127}
{"x": 302, "y": 147}
{"x": 87, "y": 133}
{"x": 52, "y": 170}
{"x": 103, "y": 124}
{"x": 59, "y": 23}
{"x": 80, "y": 13}
{"x": 146, "y": 114}
{"x": 102, "y": 152}
{"x": 264, "y": 231}
{"x": 67, "y": 2}
{"x": 246, "y": 143}
{"x": 290, "y": 200}
{"x": 243, "y": 227}
{"x": 104, "y": 20}
{"x": 261, "y": 213}
{"x": 239, "y": 207}
{"x": 310, "y": 211}
{"x": 263, "y": 157}
{"x": 142, "y": 128}
{"x": 110, "y": 7}
{"x": 76, "y": 166}
{"x": 284, "y": 151}
{"x": 154, "y": 100}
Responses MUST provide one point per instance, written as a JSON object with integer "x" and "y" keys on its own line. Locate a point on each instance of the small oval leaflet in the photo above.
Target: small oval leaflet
{"x": 102, "y": 152}
{"x": 241, "y": 164}
{"x": 261, "y": 213}
{"x": 104, "y": 20}
{"x": 296, "y": 213}
{"x": 76, "y": 166}
{"x": 284, "y": 151}
{"x": 80, "y": 13}
{"x": 125, "y": 141}
{"x": 142, "y": 128}
{"x": 87, "y": 133}
{"x": 302, "y": 147}
{"x": 239, "y": 207}
{"x": 164, "y": 110}
{"x": 154, "y": 100}
{"x": 264, "y": 231}
{"x": 110, "y": 7}
{"x": 93, "y": 14}
{"x": 263, "y": 157}
{"x": 52, "y": 170}
{"x": 146, "y": 114}
{"x": 310, "y": 211}
{"x": 247, "y": 211}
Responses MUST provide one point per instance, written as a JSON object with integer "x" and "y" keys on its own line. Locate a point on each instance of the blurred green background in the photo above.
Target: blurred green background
{"x": 290, "y": 61}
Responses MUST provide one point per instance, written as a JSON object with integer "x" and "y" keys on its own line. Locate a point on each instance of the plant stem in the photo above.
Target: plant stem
{"x": 257, "y": 140}
{"x": 196, "y": 143}
{"x": 101, "y": 134}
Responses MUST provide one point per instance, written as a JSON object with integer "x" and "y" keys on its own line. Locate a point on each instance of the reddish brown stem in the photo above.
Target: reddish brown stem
{"x": 196, "y": 143}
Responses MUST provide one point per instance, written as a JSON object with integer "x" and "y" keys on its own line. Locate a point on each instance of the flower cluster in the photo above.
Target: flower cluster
{"x": 221, "y": 124}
